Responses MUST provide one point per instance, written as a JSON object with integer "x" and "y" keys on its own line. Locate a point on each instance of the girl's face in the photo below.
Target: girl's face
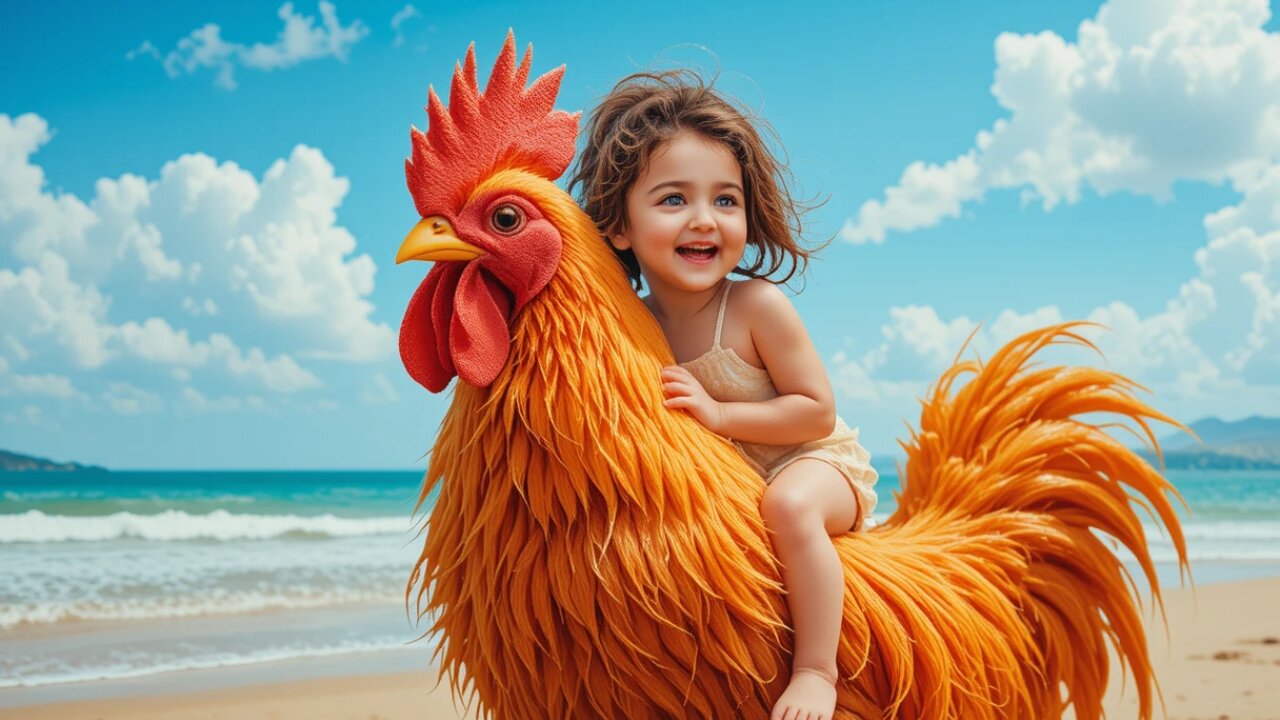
{"x": 687, "y": 221}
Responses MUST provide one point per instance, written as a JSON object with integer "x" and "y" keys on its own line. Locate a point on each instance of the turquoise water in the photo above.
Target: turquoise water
{"x": 126, "y": 574}
{"x": 354, "y": 494}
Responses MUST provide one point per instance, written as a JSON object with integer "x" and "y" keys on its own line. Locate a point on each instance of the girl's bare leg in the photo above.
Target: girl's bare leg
{"x": 803, "y": 507}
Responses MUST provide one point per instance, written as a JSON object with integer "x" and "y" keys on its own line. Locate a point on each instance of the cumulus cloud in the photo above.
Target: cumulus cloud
{"x": 1214, "y": 345}
{"x": 205, "y": 273}
{"x": 917, "y": 344}
{"x": 42, "y": 301}
{"x": 156, "y": 341}
{"x": 1212, "y": 349}
{"x": 1240, "y": 268}
{"x": 33, "y": 218}
{"x": 1113, "y": 111}
{"x": 301, "y": 39}
{"x": 1149, "y": 94}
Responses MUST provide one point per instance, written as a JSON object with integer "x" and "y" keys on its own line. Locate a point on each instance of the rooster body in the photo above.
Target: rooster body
{"x": 593, "y": 554}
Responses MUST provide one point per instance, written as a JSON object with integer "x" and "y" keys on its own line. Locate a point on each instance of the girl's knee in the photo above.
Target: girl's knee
{"x": 787, "y": 508}
{"x": 809, "y": 496}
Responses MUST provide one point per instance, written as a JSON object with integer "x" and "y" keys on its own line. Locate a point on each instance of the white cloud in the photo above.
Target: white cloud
{"x": 295, "y": 266}
{"x": 852, "y": 380}
{"x": 203, "y": 269}
{"x": 1211, "y": 350}
{"x": 146, "y": 48}
{"x": 925, "y": 194}
{"x": 281, "y": 373}
{"x": 43, "y": 301}
{"x": 156, "y": 341}
{"x": 34, "y": 220}
{"x": 53, "y": 385}
{"x": 1150, "y": 93}
{"x": 916, "y": 344}
{"x": 145, "y": 242}
{"x": 195, "y": 401}
{"x": 401, "y": 16}
{"x": 1214, "y": 349}
{"x": 301, "y": 40}
{"x": 298, "y": 41}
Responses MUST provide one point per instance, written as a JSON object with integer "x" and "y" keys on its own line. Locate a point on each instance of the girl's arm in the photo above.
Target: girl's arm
{"x": 804, "y": 409}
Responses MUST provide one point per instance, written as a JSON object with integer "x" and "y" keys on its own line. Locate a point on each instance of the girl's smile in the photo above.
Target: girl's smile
{"x": 697, "y": 253}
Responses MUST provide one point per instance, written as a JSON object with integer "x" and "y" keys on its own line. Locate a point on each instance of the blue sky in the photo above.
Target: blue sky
{"x": 198, "y": 224}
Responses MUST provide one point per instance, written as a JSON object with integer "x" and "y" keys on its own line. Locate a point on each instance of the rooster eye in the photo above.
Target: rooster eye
{"x": 507, "y": 219}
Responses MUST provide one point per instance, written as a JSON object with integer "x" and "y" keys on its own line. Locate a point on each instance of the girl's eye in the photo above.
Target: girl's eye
{"x": 507, "y": 219}
{"x": 728, "y": 201}
{"x": 668, "y": 200}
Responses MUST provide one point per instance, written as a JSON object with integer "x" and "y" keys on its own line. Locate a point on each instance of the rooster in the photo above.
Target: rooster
{"x": 593, "y": 554}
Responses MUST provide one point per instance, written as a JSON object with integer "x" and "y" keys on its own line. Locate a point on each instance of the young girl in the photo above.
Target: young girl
{"x": 681, "y": 184}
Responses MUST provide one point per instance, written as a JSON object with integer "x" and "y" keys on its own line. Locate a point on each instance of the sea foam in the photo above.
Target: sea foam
{"x": 35, "y": 526}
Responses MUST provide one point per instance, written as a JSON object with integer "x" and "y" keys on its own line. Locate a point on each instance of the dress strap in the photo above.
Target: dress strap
{"x": 724, "y": 300}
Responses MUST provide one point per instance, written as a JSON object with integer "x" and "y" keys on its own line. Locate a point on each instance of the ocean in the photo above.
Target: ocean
{"x": 130, "y": 574}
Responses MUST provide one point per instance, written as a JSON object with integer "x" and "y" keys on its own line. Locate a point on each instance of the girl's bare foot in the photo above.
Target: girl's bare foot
{"x": 811, "y": 694}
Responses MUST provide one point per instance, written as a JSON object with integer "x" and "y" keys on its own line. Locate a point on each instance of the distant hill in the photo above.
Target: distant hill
{"x": 13, "y": 462}
{"x": 1249, "y": 444}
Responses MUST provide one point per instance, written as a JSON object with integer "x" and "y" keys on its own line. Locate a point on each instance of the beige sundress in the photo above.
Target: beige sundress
{"x": 728, "y": 378}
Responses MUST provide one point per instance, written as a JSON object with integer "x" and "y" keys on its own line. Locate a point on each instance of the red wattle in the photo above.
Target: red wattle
{"x": 456, "y": 324}
{"x": 424, "y": 351}
{"x": 479, "y": 338}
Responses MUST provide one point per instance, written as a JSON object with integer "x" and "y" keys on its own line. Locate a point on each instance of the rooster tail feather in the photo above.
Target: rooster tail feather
{"x": 1013, "y": 505}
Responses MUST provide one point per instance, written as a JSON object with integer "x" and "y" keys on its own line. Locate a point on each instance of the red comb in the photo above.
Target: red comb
{"x": 507, "y": 126}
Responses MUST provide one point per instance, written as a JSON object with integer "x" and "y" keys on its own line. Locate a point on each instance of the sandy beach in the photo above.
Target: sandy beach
{"x": 1221, "y": 660}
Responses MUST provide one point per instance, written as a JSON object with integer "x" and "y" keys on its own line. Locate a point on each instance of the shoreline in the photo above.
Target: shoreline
{"x": 1221, "y": 657}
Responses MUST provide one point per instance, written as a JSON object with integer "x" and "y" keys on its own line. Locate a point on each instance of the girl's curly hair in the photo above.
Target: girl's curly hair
{"x": 647, "y": 109}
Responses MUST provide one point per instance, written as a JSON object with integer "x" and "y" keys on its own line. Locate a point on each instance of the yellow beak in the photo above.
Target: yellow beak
{"x": 433, "y": 239}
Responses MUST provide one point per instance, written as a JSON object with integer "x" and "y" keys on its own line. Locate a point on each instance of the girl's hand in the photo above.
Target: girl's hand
{"x": 683, "y": 391}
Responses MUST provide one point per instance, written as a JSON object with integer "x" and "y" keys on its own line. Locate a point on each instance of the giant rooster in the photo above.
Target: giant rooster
{"x": 593, "y": 554}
